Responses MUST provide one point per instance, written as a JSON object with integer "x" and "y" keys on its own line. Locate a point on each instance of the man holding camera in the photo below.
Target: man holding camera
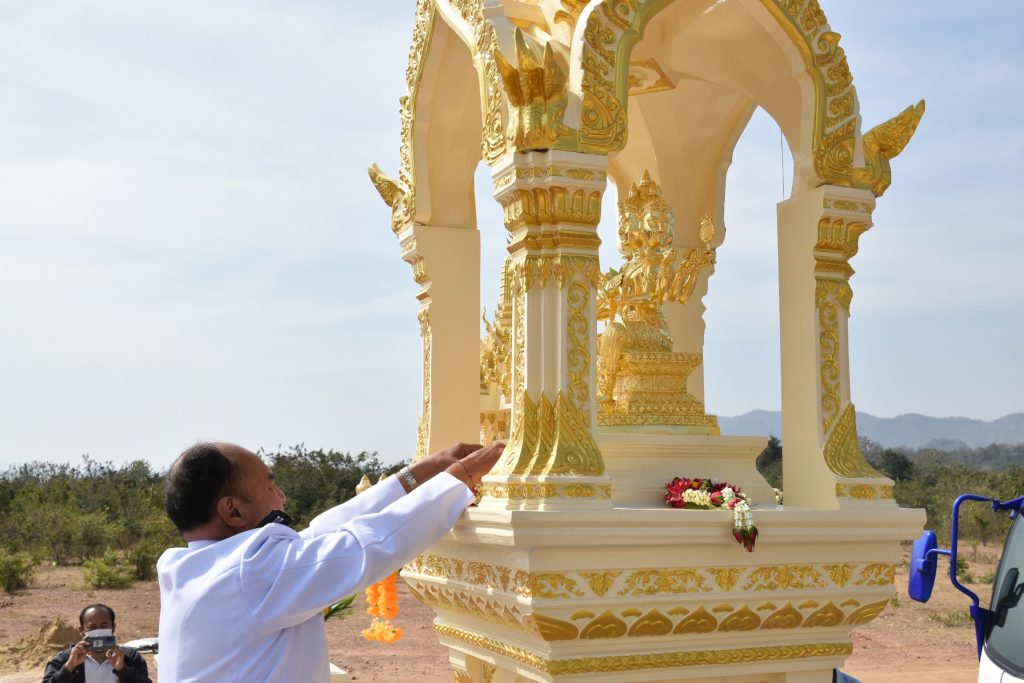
{"x": 97, "y": 658}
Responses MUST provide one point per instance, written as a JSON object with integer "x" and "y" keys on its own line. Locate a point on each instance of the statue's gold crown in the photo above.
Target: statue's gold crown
{"x": 645, "y": 194}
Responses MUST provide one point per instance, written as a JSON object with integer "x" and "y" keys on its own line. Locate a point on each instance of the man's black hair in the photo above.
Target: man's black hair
{"x": 196, "y": 481}
{"x": 98, "y": 605}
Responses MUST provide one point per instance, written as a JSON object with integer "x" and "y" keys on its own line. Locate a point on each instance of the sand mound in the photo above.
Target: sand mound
{"x": 34, "y": 651}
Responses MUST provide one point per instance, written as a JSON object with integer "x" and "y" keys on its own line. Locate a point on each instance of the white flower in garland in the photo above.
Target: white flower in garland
{"x": 708, "y": 494}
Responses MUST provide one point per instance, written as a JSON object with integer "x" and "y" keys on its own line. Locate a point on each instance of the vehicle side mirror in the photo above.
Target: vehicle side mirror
{"x": 923, "y": 565}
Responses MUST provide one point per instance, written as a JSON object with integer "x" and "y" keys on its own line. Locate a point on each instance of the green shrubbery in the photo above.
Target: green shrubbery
{"x": 16, "y": 570}
{"x": 111, "y": 570}
{"x": 932, "y": 480}
{"x": 91, "y": 513}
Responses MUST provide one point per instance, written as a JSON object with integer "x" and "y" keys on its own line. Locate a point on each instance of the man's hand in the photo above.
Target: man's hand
{"x": 472, "y": 468}
{"x": 436, "y": 463}
{"x": 115, "y": 656}
{"x": 78, "y": 655}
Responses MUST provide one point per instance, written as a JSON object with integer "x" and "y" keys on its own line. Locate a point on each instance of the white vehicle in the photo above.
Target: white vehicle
{"x": 999, "y": 629}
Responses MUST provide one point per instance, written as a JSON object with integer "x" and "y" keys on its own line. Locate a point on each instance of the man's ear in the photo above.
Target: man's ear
{"x": 230, "y": 511}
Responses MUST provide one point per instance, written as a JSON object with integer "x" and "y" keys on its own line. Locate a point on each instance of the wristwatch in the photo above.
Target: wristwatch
{"x": 405, "y": 474}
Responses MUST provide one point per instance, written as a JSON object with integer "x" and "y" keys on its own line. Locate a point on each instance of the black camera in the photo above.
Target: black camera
{"x": 99, "y": 643}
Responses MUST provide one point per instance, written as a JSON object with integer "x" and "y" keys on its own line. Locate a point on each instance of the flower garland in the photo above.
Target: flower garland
{"x": 382, "y": 598}
{"x": 708, "y": 494}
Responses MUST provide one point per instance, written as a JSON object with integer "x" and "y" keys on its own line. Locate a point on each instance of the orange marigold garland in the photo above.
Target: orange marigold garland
{"x": 382, "y": 598}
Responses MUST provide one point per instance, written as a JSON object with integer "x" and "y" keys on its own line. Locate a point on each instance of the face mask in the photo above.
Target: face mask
{"x": 99, "y": 633}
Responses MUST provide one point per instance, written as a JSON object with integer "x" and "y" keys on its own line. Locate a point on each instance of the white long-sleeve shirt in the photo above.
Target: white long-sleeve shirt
{"x": 248, "y": 608}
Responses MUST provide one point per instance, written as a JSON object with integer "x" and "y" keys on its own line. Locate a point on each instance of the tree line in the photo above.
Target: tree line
{"x": 111, "y": 518}
{"x": 932, "y": 479}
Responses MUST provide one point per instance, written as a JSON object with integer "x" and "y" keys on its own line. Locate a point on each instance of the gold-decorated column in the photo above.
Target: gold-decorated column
{"x": 551, "y": 202}
{"x": 824, "y": 466}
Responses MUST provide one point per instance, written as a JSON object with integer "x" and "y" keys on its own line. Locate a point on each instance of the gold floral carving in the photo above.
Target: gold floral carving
{"x": 403, "y": 206}
{"x": 423, "y": 426}
{"x": 462, "y": 677}
{"x": 609, "y": 33}
{"x": 537, "y": 271}
{"x": 536, "y": 94}
{"x": 880, "y": 574}
{"x": 550, "y": 240}
{"x": 835, "y": 121}
{"x": 600, "y": 582}
{"x": 535, "y": 491}
{"x": 550, "y": 628}
{"x": 787, "y": 617}
{"x": 479, "y": 606}
{"x": 477, "y": 574}
{"x": 654, "y": 623}
{"x": 726, "y": 577}
{"x": 839, "y": 573}
{"x": 849, "y": 205}
{"x": 867, "y": 613}
{"x": 551, "y": 438}
{"x": 660, "y": 660}
{"x": 742, "y": 619}
{"x": 829, "y": 615}
{"x": 484, "y": 47}
{"x": 554, "y": 585}
{"x": 838, "y": 240}
{"x": 700, "y": 621}
{"x": 488, "y": 671}
{"x": 578, "y": 354}
{"x": 496, "y": 357}
{"x": 785, "y": 577}
{"x": 606, "y": 625}
{"x": 526, "y": 172}
{"x": 571, "y": 14}
{"x": 550, "y": 205}
{"x": 613, "y": 27}
{"x": 419, "y": 271}
{"x": 655, "y": 581}
{"x": 827, "y": 293}
{"x": 865, "y": 491}
{"x": 842, "y": 451}
{"x": 569, "y": 585}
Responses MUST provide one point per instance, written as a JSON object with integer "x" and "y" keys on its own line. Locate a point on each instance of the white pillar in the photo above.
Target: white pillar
{"x": 446, "y": 265}
{"x": 552, "y": 203}
{"x": 822, "y": 465}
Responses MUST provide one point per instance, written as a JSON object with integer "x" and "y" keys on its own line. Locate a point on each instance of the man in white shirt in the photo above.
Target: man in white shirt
{"x": 243, "y": 601}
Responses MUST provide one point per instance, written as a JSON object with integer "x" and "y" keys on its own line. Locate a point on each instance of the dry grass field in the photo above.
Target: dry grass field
{"x": 909, "y": 641}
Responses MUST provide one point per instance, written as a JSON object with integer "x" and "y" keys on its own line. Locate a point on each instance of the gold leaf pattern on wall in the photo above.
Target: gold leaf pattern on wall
{"x": 742, "y": 619}
{"x": 699, "y": 621}
{"x": 606, "y": 625}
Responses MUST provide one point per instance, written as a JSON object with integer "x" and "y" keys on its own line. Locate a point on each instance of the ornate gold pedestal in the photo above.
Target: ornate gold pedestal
{"x": 650, "y": 392}
{"x": 654, "y": 594}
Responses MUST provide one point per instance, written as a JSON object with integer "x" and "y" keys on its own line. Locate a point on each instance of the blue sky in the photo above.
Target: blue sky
{"x": 190, "y": 247}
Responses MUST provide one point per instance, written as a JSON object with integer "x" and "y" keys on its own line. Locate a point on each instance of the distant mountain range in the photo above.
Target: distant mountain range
{"x": 910, "y": 430}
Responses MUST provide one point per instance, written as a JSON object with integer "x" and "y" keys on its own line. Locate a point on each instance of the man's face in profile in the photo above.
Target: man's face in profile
{"x": 253, "y": 487}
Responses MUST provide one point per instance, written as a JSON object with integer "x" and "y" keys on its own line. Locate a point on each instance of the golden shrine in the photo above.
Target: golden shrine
{"x": 572, "y": 568}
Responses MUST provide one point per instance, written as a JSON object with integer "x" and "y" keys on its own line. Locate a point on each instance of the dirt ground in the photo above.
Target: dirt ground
{"x": 935, "y": 640}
